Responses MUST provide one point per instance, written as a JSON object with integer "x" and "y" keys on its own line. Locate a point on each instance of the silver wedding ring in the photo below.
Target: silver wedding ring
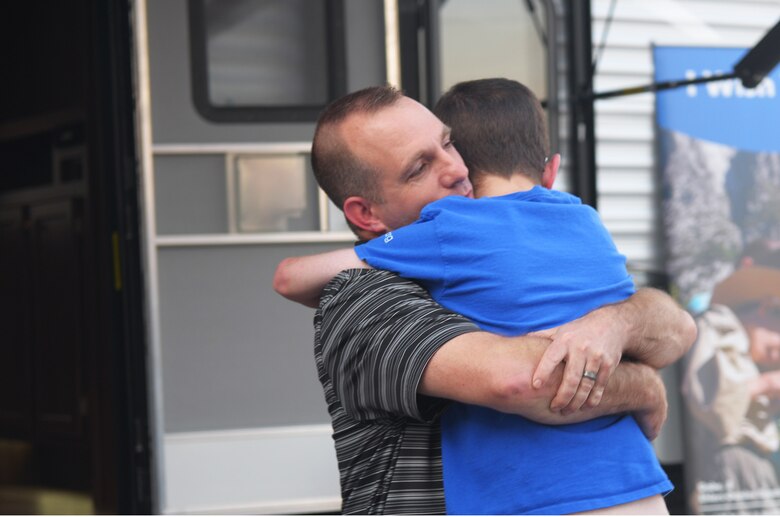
{"x": 587, "y": 374}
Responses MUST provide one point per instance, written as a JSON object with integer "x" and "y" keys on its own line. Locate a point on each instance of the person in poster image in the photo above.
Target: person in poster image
{"x": 731, "y": 387}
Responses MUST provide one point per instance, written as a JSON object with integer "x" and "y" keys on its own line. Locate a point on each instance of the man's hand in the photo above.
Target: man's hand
{"x": 767, "y": 385}
{"x": 592, "y": 343}
{"x": 649, "y": 327}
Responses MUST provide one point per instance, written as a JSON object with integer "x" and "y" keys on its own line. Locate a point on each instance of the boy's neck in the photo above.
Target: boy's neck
{"x": 490, "y": 185}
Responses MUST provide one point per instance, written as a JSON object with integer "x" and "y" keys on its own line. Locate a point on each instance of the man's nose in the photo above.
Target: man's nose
{"x": 454, "y": 172}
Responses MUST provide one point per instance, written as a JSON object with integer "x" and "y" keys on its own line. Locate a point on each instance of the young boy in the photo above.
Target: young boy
{"x": 521, "y": 258}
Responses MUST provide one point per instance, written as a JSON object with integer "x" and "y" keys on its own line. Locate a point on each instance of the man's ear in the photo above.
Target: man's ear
{"x": 551, "y": 170}
{"x": 360, "y": 212}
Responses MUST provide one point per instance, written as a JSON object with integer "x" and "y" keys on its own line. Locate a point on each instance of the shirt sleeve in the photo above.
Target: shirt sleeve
{"x": 377, "y": 333}
{"x": 413, "y": 251}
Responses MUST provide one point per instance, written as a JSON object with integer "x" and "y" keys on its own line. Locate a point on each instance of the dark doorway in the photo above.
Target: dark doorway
{"x": 73, "y": 430}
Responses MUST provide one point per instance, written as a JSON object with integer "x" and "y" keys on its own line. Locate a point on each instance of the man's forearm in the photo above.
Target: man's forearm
{"x": 638, "y": 389}
{"x": 488, "y": 370}
{"x": 659, "y": 330}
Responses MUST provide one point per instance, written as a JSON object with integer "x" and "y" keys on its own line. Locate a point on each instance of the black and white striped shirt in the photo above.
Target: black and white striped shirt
{"x": 374, "y": 336}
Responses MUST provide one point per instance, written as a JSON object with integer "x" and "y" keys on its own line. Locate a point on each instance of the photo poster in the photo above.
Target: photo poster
{"x": 718, "y": 157}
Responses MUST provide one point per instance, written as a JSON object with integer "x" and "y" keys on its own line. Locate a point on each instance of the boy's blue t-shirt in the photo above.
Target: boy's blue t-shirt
{"x": 514, "y": 264}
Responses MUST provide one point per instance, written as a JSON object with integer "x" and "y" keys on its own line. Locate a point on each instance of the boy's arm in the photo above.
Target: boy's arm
{"x": 649, "y": 327}
{"x": 302, "y": 279}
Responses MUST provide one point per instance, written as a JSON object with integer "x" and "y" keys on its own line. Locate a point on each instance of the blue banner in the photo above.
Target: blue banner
{"x": 723, "y": 111}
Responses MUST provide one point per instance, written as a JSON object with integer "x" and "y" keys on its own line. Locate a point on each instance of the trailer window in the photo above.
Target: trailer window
{"x": 266, "y": 60}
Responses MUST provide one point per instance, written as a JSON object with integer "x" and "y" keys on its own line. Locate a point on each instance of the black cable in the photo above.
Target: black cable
{"x": 604, "y": 32}
{"x": 537, "y": 23}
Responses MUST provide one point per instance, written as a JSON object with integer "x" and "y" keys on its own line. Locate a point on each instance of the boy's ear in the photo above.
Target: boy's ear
{"x": 360, "y": 212}
{"x": 551, "y": 170}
